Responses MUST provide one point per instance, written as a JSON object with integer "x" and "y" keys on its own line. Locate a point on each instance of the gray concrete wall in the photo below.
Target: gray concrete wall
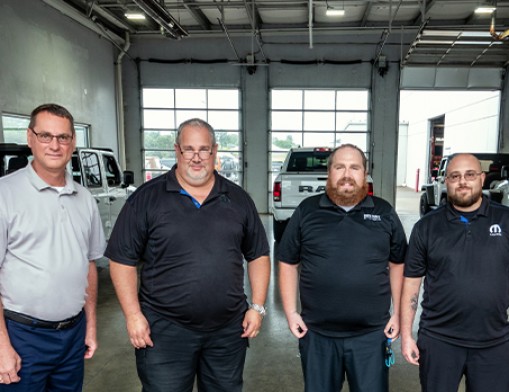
{"x": 47, "y": 57}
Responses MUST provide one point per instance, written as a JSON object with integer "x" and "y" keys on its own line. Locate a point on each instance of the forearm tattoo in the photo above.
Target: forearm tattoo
{"x": 414, "y": 302}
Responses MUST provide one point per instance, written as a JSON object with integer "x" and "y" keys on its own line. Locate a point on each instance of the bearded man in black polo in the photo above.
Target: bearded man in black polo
{"x": 348, "y": 248}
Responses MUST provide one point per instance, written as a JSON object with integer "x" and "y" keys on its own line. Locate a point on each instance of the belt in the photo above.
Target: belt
{"x": 24, "y": 319}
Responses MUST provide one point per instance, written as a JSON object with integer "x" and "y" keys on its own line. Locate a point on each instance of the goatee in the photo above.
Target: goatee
{"x": 465, "y": 201}
{"x": 350, "y": 197}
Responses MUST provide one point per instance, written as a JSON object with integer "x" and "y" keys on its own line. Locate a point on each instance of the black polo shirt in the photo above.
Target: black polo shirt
{"x": 466, "y": 269}
{"x": 193, "y": 258}
{"x": 344, "y": 277}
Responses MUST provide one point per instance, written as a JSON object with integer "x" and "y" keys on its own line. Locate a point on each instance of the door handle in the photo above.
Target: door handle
{"x": 113, "y": 198}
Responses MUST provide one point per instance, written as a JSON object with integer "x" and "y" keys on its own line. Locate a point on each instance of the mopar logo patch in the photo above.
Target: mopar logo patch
{"x": 495, "y": 231}
{"x": 310, "y": 188}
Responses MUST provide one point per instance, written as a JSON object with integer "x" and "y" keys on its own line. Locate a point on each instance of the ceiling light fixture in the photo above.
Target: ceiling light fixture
{"x": 485, "y": 10}
{"x": 332, "y": 11}
{"x": 134, "y": 15}
{"x": 169, "y": 25}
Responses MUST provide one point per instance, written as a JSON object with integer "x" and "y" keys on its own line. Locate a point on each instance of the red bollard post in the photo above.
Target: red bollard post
{"x": 417, "y": 180}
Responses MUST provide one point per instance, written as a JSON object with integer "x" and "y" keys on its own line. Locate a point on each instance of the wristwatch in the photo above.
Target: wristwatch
{"x": 259, "y": 308}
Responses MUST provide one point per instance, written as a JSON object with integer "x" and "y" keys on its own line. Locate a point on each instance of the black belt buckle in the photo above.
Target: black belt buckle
{"x": 64, "y": 324}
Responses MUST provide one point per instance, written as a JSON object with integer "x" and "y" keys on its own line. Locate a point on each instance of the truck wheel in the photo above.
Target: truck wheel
{"x": 278, "y": 229}
{"x": 424, "y": 207}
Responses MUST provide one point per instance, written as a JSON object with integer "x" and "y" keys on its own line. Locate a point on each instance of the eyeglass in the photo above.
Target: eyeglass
{"x": 190, "y": 154}
{"x": 468, "y": 176}
{"x": 46, "y": 137}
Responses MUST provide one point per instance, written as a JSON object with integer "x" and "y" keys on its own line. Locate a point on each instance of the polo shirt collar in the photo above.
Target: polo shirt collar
{"x": 40, "y": 184}
{"x": 325, "y": 202}
{"x": 452, "y": 214}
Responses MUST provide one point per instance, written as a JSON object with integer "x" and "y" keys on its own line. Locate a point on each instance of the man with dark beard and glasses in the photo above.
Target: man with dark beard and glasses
{"x": 463, "y": 251}
{"x": 349, "y": 249}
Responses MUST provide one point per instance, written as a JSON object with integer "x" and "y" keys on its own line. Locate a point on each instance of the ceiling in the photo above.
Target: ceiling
{"x": 428, "y": 32}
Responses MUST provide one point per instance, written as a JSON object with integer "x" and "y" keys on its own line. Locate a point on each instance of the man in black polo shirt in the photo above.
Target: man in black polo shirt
{"x": 350, "y": 248}
{"x": 463, "y": 251}
{"x": 191, "y": 229}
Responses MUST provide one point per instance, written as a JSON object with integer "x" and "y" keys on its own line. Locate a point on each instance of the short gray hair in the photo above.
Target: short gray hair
{"x": 196, "y": 122}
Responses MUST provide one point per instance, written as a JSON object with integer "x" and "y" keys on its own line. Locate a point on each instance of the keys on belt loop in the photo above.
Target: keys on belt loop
{"x": 389, "y": 355}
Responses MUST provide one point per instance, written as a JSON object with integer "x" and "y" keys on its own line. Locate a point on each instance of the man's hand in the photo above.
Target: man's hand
{"x": 10, "y": 365}
{"x": 251, "y": 324}
{"x": 297, "y": 325}
{"x": 91, "y": 344}
{"x": 139, "y": 331}
{"x": 391, "y": 330}
{"x": 410, "y": 351}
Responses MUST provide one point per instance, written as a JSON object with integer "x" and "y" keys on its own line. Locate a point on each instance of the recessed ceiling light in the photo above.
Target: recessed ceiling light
{"x": 334, "y": 12}
{"x": 485, "y": 10}
{"x": 135, "y": 15}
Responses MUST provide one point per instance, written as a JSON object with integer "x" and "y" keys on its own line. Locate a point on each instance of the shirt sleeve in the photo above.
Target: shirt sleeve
{"x": 416, "y": 258}
{"x": 97, "y": 242}
{"x": 290, "y": 245}
{"x": 398, "y": 240}
{"x": 254, "y": 243}
{"x": 128, "y": 238}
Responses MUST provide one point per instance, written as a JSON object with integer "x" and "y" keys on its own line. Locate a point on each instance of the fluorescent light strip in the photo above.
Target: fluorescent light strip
{"x": 485, "y": 10}
{"x": 135, "y": 16}
{"x": 334, "y": 12}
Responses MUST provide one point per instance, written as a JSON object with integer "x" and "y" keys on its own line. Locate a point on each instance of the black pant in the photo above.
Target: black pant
{"x": 180, "y": 354}
{"x": 442, "y": 365}
{"x": 325, "y": 361}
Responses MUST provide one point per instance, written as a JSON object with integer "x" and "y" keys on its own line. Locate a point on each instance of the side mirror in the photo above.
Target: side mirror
{"x": 128, "y": 178}
{"x": 504, "y": 172}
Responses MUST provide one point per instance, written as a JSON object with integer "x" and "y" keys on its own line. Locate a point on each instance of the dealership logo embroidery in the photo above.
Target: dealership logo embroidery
{"x": 371, "y": 217}
{"x": 495, "y": 231}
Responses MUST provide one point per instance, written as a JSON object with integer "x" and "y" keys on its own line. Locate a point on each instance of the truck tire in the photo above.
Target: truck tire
{"x": 424, "y": 207}
{"x": 278, "y": 229}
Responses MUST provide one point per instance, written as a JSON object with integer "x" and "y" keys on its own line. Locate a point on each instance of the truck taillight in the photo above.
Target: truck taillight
{"x": 370, "y": 188}
{"x": 276, "y": 191}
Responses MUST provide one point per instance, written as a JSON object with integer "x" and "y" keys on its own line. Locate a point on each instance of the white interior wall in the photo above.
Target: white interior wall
{"x": 470, "y": 125}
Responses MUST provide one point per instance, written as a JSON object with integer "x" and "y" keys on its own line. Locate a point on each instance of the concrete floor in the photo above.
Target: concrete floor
{"x": 272, "y": 363}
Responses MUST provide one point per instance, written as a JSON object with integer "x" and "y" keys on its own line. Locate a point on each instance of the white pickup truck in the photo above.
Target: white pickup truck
{"x": 96, "y": 169}
{"x": 303, "y": 174}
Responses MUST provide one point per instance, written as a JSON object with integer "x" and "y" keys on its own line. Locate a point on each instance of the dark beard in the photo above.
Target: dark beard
{"x": 349, "y": 198}
{"x": 466, "y": 201}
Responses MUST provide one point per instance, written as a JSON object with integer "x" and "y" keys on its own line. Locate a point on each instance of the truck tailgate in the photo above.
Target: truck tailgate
{"x": 295, "y": 187}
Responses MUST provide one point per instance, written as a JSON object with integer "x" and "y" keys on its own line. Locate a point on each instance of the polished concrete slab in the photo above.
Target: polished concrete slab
{"x": 272, "y": 363}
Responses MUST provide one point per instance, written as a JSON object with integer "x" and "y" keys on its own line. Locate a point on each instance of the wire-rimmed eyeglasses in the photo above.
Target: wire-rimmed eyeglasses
{"x": 46, "y": 137}
{"x": 470, "y": 175}
{"x": 190, "y": 154}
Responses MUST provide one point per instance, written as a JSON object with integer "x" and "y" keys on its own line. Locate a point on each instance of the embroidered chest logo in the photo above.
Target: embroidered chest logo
{"x": 371, "y": 217}
{"x": 495, "y": 231}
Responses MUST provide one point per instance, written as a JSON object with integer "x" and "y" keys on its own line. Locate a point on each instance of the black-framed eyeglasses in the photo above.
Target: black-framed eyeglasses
{"x": 190, "y": 154}
{"x": 46, "y": 137}
{"x": 470, "y": 175}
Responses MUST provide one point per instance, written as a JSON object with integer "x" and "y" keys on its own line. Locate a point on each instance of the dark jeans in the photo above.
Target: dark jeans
{"x": 325, "y": 361}
{"x": 179, "y": 355}
{"x": 52, "y": 360}
{"x": 442, "y": 365}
